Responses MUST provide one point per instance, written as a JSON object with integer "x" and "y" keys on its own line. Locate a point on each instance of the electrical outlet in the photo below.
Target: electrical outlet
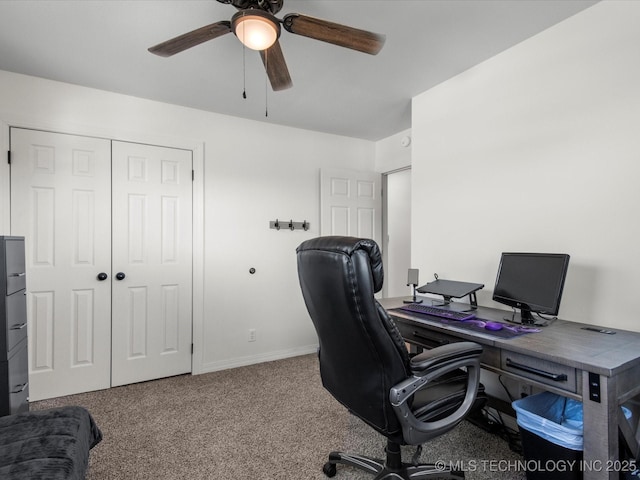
{"x": 252, "y": 335}
{"x": 525, "y": 390}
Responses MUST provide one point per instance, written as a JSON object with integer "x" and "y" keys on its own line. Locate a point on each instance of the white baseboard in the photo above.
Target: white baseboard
{"x": 255, "y": 359}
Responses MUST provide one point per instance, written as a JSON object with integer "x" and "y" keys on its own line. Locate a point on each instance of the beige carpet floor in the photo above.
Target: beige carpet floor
{"x": 268, "y": 421}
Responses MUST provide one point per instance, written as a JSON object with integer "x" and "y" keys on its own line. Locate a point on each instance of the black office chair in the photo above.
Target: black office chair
{"x": 365, "y": 365}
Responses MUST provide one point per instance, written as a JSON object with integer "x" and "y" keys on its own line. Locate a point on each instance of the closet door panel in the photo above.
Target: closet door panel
{"x": 61, "y": 204}
{"x": 152, "y": 248}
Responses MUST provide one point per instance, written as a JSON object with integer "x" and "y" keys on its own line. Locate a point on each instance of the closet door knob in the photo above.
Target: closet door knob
{"x": 120, "y": 275}
{"x": 102, "y": 276}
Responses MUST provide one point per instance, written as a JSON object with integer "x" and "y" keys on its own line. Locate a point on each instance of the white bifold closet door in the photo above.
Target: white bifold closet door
{"x": 89, "y": 209}
{"x": 151, "y": 312}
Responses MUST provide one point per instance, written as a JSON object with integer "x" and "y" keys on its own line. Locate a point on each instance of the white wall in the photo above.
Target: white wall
{"x": 253, "y": 173}
{"x": 538, "y": 149}
{"x": 391, "y": 154}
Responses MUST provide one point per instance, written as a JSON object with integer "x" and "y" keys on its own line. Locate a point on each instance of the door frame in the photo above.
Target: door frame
{"x": 385, "y": 220}
{"x": 195, "y": 145}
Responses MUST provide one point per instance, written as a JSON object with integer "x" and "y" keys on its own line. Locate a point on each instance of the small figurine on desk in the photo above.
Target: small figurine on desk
{"x": 413, "y": 281}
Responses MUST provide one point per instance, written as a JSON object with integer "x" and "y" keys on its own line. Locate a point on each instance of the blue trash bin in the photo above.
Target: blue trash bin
{"x": 551, "y": 429}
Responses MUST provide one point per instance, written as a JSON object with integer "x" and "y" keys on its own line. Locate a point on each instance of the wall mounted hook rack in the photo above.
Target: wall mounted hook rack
{"x": 290, "y": 225}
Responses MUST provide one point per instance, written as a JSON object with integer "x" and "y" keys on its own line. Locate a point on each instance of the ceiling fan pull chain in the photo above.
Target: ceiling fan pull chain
{"x": 266, "y": 87}
{"x": 244, "y": 69}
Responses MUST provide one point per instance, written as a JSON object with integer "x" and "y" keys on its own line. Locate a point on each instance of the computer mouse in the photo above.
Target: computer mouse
{"x": 493, "y": 326}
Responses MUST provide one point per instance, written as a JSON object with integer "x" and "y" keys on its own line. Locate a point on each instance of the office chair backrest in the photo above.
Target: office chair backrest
{"x": 362, "y": 354}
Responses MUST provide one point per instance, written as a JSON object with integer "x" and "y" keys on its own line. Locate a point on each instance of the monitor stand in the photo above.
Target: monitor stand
{"x": 526, "y": 318}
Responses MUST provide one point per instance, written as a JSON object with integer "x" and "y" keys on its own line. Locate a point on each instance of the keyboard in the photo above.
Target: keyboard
{"x": 437, "y": 312}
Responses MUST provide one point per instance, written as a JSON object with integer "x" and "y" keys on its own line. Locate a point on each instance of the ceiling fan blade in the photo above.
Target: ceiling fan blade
{"x": 191, "y": 39}
{"x": 341, "y": 35}
{"x": 276, "y": 67}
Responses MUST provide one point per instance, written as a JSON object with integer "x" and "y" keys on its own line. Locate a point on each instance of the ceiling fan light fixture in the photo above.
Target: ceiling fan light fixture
{"x": 256, "y": 29}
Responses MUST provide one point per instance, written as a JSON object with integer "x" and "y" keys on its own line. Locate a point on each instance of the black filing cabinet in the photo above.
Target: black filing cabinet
{"x": 14, "y": 369}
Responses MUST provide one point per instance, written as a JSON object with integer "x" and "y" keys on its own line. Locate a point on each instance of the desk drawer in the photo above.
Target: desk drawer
{"x": 15, "y": 322}
{"x": 425, "y": 338}
{"x": 15, "y": 265}
{"x": 542, "y": 371}
{"x": 428, "y": 339}
{"x": 14, "y": 389}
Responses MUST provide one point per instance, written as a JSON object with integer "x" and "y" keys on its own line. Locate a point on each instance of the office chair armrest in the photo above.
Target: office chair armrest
{"x": 432, "y": 364}
{"x": 439, "y": 356}
{"x": 429, "y": 367}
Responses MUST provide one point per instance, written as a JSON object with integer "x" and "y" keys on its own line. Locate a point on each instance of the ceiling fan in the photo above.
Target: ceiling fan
{"x": 256, "y": 27}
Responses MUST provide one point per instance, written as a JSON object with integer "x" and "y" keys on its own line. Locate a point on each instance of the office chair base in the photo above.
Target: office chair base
{"x": 382, "y": 470}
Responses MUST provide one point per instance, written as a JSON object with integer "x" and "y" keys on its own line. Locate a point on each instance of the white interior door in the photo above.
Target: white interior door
{"x": 152, "y": 247}
{"x": 60, "y": 203}
{"x": 350, "y": 204}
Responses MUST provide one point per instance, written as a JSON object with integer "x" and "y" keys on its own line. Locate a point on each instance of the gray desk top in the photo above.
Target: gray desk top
{"x": 563, "y": 341}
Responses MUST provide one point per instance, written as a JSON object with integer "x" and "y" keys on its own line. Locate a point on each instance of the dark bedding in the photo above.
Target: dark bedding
{"x": 48, "y": 444}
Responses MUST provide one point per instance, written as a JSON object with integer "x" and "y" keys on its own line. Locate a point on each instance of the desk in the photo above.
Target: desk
{"x": 571, "y": 361}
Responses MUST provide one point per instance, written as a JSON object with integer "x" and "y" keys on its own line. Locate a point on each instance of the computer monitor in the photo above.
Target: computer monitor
{"x": 531, "y": 282}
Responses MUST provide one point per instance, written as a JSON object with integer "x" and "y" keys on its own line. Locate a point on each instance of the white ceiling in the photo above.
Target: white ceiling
{"x": 103, "y": 44}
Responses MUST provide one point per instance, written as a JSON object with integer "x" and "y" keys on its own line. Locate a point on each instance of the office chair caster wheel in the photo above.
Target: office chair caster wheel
{"x": 329, "y": 469}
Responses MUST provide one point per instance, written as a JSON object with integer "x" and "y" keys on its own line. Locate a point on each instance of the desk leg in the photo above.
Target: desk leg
{"x": 600, "y": 430}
